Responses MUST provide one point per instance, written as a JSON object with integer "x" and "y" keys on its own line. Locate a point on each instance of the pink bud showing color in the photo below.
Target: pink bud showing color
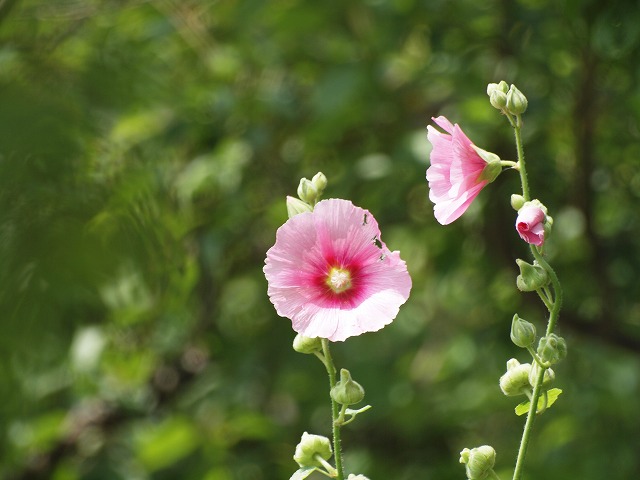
{"x": 530, "y": 224}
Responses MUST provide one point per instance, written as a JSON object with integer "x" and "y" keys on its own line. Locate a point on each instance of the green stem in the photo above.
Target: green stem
{"x": 557, "y": 290}
{"x": 528, "y": 426}
{"x": 553, "y": 304}
{"x": 335, "y": 409}
{"x": 522, "y": 169}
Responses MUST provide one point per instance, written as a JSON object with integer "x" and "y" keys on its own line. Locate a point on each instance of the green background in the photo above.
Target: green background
{"x": 146, "y": 149}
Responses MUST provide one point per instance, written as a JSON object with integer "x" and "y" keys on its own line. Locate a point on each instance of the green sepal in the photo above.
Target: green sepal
{"x": 303, "y": 473}
{"x": 552, "y": 396}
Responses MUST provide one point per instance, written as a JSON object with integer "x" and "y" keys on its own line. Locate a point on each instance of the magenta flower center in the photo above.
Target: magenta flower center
{"x": 339, "y": 279}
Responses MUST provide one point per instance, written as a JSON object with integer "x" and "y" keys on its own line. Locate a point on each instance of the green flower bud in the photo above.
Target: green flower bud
{"x": 517, "y": 201}
{"x": 532, "y": 277}
{"x": 347, "y": 391}
{"x": 498, "y": 99}
{"x": 304, "y": 344}
{"x": 478, "y": 462}
{"x": 501, "y": 87}
{"x": 307, "y": 191}
{"x": 296, "y": 206}
{"x": 549, "y": 375}
{"x": 552, "y": 348}
{"x": 320, "y": 182}
{"x": 516, "y": 380}
{"x": 523, "y": 333}
{"x": 309, "y": 447}
{"x": 516, "y": 101}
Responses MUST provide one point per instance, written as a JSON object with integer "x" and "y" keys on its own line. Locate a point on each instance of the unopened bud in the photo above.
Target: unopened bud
{"x": 347, "y": 391}
{"x": 478, "y": 462}
{"x": 296, "y": 206}
{"x": 498, "y": 99}
{"x": 552, "y": 348}
{"x": 501, "y": 87}
{"x": 310, "y": 446}
{"x": 320, "y": 182}
{"x": 517, "y": 201}
{"x": 523, "y": 333}
{"x": 307, "y": 191}
{"x": 532, "y": 277}
{"x": 516, "y": 102}
{"x": 304, "y": 344}
{"x": 516, "y": 380}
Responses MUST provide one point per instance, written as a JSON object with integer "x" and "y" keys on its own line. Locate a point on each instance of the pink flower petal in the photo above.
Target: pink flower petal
{"x": 309, "y": 246}
{"x": 454, "y": 172}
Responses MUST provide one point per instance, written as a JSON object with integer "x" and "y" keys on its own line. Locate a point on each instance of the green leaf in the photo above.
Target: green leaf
{"x": 552, "y": 396}
{"x": 303, "y": 473}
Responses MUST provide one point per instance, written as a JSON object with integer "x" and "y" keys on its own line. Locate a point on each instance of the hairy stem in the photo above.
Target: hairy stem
{"x": 335, "y": 409}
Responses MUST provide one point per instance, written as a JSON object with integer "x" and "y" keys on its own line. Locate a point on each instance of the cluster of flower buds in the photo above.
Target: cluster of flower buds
{"x": 507, "y": 99}
{"x": 309, "y": 192}
{"x": 521, "y": 377}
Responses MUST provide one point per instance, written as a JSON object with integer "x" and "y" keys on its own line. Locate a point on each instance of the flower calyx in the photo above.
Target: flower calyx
{"x": 347, "y": 391}
{"x": 493, "y": 167}
{"x": 552, "y": 349}
{"x": 478, "y": 462}
{"x": 311, "y": 449}
{"x": 307, "y": 345}
{"x": 532, "y": 276}
{"x": 523, "y": 333}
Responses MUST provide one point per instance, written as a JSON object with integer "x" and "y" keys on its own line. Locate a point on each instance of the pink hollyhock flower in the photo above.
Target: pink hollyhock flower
{"x": 530, "y": 224}
{"x": 455, "y": 175}
{"x": 330, "y": 273}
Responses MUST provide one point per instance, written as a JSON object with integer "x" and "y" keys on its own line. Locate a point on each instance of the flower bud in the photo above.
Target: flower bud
{"x": 347, "y": 391}
{"x": 296, "y": 206}
{"x": 302, "y": 344}
{"x": 498, "y": 99}
{"x": 549, "y": 375}
{"x": 309, "y": 447}
{"x": 320, "y": 182}
{"x": 516, "y": 380}
{"x": 516, "y": 101}
{"x": 530, "y": 223}
{"x": 501, "y": 87}
{"x": 356, "y": 477}
{"x": 307, "y": 191}
{"x": 523, "y": 333}
{"x": 478, "y": 462}
{"x": 552, "y": 348}
{"x": 532, "y": 277}
{"x": 517, "y": 201}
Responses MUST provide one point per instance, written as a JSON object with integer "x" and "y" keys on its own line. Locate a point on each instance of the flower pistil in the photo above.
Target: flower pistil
{"x": 339, "y": 279}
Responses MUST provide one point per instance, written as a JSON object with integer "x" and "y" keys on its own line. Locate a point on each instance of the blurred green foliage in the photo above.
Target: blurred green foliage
{"x": 146, "y": 151}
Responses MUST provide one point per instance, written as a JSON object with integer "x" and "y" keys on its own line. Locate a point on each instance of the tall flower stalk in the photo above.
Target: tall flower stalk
{"x": 452, "y": 194}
